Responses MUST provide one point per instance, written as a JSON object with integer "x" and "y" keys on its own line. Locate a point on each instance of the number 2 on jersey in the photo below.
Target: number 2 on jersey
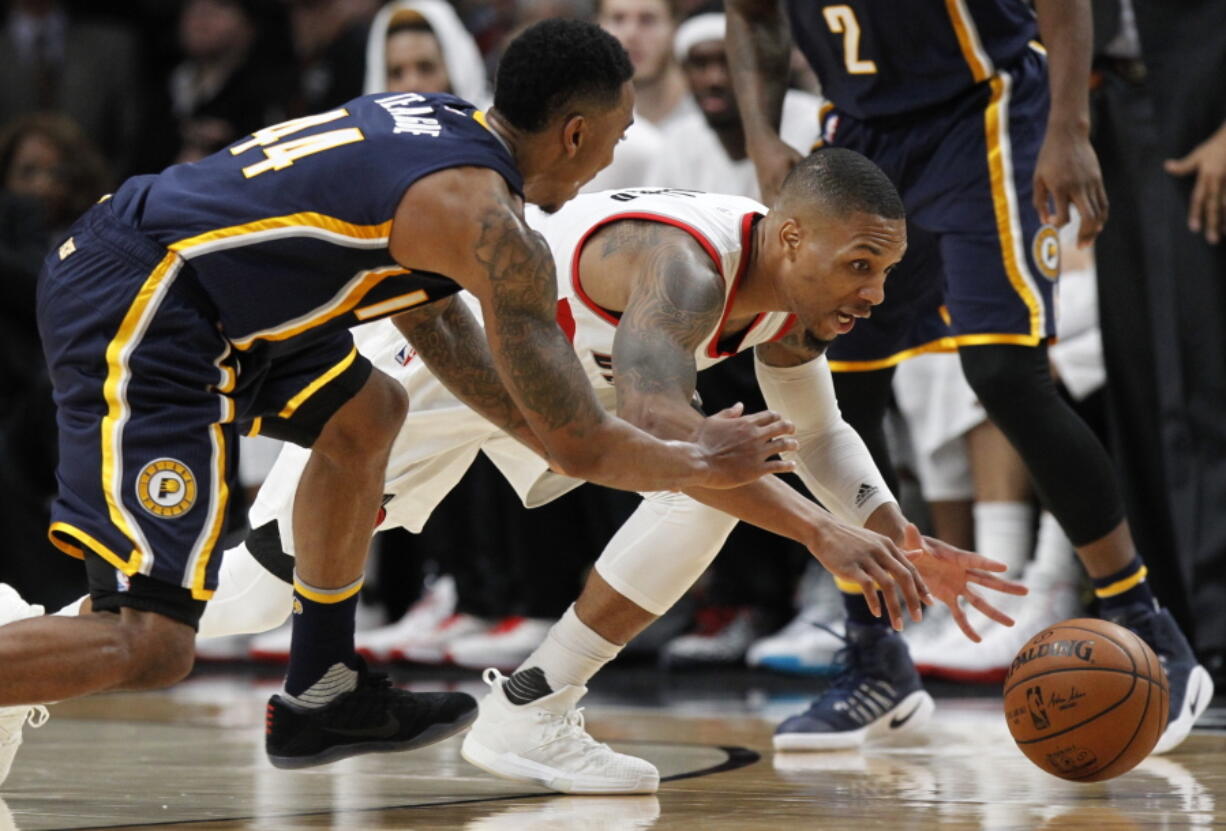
{"x": 842, "y": 21}
{"x": 279, "y": 155}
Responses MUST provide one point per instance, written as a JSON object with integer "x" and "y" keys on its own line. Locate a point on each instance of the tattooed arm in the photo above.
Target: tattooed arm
{"x": 464, "y": 222}
{"x": 451, "y": 342}
{"x": 759, "y": 48}
{"x": 675, "y": 302}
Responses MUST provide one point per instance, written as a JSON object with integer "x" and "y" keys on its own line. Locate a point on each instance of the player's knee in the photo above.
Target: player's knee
{"x": 155, "y": 651}
{"x": 368, "y": 425}
{"x": 1005, "y": 376}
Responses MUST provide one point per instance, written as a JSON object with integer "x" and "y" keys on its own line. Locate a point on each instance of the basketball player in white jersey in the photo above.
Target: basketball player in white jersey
{"x": 656, "y": 285}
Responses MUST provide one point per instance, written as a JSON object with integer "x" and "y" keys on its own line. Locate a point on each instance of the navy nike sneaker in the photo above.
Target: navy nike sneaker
{"x": 876, "y": 694}
{"x": 374, "y": 718}
{"x": 1190, "y": 683}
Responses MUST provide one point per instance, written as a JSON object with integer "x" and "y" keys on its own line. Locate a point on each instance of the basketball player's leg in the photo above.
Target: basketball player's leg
{"x": 651, "y": 561}
{"x": 1000, "y": 298}
{"x": 330, "y": 400}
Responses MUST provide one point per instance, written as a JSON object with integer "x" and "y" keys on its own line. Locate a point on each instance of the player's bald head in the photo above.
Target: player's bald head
{"x": 838, "y": 182}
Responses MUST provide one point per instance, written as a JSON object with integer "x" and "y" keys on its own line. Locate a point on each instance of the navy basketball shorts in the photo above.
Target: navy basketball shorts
{"x": 149, "y": 399}
{"x": 980, "y": 267}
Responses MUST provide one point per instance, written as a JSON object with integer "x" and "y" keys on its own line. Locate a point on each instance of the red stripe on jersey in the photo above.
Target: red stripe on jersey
{"x": 785, "y": 328}
{"x": 566, "y": 319}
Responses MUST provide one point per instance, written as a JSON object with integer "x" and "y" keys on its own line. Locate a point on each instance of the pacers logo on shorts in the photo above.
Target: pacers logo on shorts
{"x": 1047, "y": 252}
{"x": 166, "y": 488}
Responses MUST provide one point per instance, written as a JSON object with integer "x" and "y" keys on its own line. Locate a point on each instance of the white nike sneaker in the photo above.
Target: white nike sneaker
{"x": 505, "y": 646}
{"x": 545, "y": 743}
{"x": 13, "y": 719}
{"x": 437, "y": 604}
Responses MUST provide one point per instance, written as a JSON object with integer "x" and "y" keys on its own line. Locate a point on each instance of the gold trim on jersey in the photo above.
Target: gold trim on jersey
{"x": 306, "y": 223}
{"x": 968, "y": 40}
{"x": 257, "y": 424}
{"x": 310, "y": 389}
{"x": 196, "y": 569}
{"x": 949, "y": 343}
{"x": 59, "y": 530}
{"x": 350, "y": 295}
{"x": 1004, "y": 201}
{"x": 114, "y": 392}
{"x": 395, "y": 304}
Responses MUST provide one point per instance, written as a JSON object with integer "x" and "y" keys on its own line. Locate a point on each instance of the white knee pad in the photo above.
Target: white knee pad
{"x": 249, "y": 598}
{"x": 663, "y": 548}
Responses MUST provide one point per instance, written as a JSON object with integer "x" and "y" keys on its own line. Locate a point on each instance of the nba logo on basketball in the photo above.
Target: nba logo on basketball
{"x": 1038, "y": 713}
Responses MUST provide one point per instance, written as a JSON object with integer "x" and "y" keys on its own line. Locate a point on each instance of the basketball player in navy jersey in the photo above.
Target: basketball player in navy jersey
{"x": 985, "y": 133}
{"x": 217, "y": 296}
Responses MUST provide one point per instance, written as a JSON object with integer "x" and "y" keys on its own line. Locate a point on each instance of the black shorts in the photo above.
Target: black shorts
{"x": 150, "y": 398}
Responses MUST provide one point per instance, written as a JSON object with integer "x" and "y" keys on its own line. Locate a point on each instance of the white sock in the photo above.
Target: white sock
{"x": 338, "y": 680}
{"x": 1054, "y": 557}
{"x": 571, "y": 653}
{"x": 1005, "y": 531}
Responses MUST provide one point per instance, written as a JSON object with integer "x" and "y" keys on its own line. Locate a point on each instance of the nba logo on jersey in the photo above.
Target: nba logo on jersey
{"x": 122, "y": 583}
{"x": 406, "y": 354}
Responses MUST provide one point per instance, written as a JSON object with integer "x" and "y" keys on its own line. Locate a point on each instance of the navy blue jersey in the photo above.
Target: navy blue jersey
{"x": 879, "y": 58}
{"x": 287, "y": 230}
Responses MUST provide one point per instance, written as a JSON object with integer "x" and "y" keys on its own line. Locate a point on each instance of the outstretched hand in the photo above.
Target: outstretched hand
{"x": 948, "y": 573}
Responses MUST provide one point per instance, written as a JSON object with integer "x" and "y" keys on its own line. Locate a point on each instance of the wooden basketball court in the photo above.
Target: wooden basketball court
{"x": 193, "y": 758}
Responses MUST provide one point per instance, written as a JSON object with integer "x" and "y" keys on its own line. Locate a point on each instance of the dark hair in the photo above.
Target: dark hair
{"x": 409, "y": 20}
{"x": 844, "y": 182}
{"x": 85, "y": 172}
{"x": 554, "y": 65}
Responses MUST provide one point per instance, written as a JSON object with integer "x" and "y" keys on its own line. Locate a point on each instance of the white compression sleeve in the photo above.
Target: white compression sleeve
{"x": 832, "y": 459}
{"x": 663, "y": 548}
{"x": 249, "y": 598}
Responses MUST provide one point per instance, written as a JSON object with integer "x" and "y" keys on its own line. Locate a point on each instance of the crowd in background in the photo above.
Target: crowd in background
{"x": 97, "y": 91}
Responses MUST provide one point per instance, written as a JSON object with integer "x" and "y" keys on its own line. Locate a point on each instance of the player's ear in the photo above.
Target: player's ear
{"x": 790, "y": 235}
{"x": 574, "y": 131}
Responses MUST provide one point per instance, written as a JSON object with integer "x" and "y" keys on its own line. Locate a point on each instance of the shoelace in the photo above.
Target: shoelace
{"x": 37, "y": 716}
{"x": 569, "y": 725}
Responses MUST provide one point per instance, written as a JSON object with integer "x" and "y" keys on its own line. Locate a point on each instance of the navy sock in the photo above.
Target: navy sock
{"x": 323, "y": 633}
{"x": 857, "y": 609}
{"x": 1126, "y": 587}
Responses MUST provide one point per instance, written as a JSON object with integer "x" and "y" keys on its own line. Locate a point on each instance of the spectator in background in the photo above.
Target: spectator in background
{"x": 645, "y": 29}
{"x": 705, "y": 149}
{"x": 51, "y": 60}
{"x": 422, "y": 46}
{"x": 330, "y": 41}
{"x": 49, "y": 173}
{"x": 225, "y": 87}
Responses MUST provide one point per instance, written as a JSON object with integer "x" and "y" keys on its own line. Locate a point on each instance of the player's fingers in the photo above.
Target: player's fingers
{"x": 988, "y": 609}
{"x": 885, "y": 581}
{"x": 909, "y": 581}
{"x": 991, "y": 581}
{"x": 783, "y": 444}
{"x": 1041, "y": 197}
{"x": 1060, "y": 217}
{"x": 1213, "y": 209}
{"x": 1196, "y": 205}
{"x": 869, "y": 590}
{"x": 972, "y": 560}
{"x": 1090, "y": 224}
{"x": 959, "y": 617}
{"x": 779, "y": 466}
{"x": 731, "y": 412}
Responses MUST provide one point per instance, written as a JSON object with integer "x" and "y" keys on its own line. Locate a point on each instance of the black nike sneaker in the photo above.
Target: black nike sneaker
{"x": 877, "y": 694}
{"x": 1191, "y": 685}
{"x": 374, "y": 718}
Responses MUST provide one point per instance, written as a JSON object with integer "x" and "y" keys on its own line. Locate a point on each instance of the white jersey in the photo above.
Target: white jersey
{"x": 722, "y": 225}
{"x": 441, "y": 436}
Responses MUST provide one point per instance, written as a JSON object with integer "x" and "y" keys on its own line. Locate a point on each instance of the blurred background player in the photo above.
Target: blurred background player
{"x": 956, "y": 125}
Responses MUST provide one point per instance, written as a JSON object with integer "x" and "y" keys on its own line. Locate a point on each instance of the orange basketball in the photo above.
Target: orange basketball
{"x": 1086, "y": 700}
